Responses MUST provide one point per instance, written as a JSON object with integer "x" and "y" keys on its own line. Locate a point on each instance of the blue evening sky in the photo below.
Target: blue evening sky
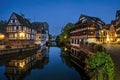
{"x": 59, "y": 12}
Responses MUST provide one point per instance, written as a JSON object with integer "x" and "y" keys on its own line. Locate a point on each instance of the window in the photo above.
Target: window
{"x": 15, "y": 35}
{"x": 72, "y": 41}
{"x": 13, "y": 20}
{"x": 24, "y": 28}
{"x": 77, "y": 41}
{"x": 7, "y": 28}
{"x": 27, "y": 35}
{"x": 10, "y": 35}
{"x": 19, "y": 28}
{"x": 14, "y": 27}
{"x": 32, "y": 37}
{"x": 10, "y": 28}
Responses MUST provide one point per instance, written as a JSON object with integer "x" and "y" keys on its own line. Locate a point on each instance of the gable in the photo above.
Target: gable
{"x": 13, "y": 20}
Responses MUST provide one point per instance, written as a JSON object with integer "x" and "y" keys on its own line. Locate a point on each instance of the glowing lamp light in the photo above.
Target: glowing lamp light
{"x": 22, "y": 64}
{"x": 2, "y": 36}
{"x": 65, "y": 49}
{"x": 108, "y": 38}
{"x": 115, "y": 35}
{"x": 102, "y": 31}
{"x": 65, "y": 37}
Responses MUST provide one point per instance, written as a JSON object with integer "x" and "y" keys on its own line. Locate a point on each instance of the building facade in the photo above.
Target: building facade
{"x": 86, "y": 30}
{"x": 42, "y": 26}
{"x": 117, "y": 25}
{"x": 20, "y": 32}
{"x": 42, "y": 32}
{"x": 114, "y": 29}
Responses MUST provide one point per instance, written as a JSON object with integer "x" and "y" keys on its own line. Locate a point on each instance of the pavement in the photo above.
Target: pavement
{"x": 114, "y": 51}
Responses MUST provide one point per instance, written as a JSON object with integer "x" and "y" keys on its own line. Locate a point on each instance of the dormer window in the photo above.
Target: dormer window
{"x": 13, "y": 20}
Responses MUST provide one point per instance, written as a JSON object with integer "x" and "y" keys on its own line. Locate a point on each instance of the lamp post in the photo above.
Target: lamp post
{"x": 102, "y": 37}
{"x": 2, "y": 37}
{"x": 65, "y": 37}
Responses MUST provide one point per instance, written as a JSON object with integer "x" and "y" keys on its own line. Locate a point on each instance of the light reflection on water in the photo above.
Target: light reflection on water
{"x": 50, "y": 64}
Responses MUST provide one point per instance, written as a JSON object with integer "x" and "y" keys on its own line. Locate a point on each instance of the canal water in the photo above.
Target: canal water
{"x": 49, "y": 64}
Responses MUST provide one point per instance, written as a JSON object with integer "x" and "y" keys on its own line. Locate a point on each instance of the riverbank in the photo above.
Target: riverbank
{"x": 18, "y": 50}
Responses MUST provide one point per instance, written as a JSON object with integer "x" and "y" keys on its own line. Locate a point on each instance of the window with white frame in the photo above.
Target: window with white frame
{"x": 19, "y": 28}
{"x": 15, "y": 35}
{"x": 14, "y": 27}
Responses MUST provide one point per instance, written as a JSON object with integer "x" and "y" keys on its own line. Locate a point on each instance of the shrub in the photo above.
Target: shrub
{"x": 100, "y": 63}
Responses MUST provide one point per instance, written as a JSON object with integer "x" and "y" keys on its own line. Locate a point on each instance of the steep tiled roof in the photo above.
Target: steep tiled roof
{"x": 41, "y": 31}
{"x": 23, "y": 21}
{"x": 40, "y": 25}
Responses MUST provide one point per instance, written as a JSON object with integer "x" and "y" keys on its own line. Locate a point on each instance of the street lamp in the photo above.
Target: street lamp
{"x": 65, "y": 49}
{"x": 2, "y": 36}
{"x": 102, "y": 31}
{"x": 65, "y": 37}
{"x": 102, "y": 35}
{"x": 108, "y": 38}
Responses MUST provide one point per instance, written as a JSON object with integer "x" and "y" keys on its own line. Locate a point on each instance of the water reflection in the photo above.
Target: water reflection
{"x": 72, "y": 57}
{"x": 20, "y": 66}
{"x": 54, "y": 64}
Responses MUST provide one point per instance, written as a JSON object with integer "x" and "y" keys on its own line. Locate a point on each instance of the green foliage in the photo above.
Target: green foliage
{"x": 65, "y": 35}
{"x": 100, "y": 62}
{"x": 3, "y": 25}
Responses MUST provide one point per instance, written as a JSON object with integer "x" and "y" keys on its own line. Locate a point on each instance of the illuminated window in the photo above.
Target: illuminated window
{"x": 15, "y": 35}
{"x": 22, "y": 35}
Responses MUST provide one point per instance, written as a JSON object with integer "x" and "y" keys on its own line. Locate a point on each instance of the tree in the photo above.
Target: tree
{"x": 3, "y": 26}
{"x": 65, "y": 35}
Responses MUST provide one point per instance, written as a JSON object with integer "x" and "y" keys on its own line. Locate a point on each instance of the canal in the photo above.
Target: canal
{"x": 49, "y": 64}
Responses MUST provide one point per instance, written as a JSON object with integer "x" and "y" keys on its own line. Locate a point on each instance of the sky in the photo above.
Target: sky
{"x": 59, "y": 12}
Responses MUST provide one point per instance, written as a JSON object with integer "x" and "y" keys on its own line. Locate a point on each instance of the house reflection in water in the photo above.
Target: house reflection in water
{"x": 78, "y": 57}
{"x": 73, "y": 57}
{"x": 18, "y": 67}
